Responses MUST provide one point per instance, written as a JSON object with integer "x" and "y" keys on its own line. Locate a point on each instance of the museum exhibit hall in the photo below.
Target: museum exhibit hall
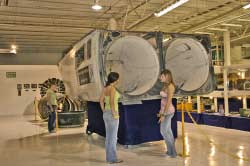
{"x": 125, "y": 82}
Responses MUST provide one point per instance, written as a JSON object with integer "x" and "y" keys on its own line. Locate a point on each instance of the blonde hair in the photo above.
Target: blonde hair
{"x": 166, "y": 72}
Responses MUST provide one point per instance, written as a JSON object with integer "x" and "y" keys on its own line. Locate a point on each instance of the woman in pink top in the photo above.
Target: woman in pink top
{"x": 167, "y": 111}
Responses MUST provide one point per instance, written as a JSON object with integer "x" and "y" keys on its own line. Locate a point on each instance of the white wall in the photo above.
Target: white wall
{"x": 10, "y": 102}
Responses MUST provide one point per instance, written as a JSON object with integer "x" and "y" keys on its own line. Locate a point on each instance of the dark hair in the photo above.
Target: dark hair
{"x": 53, "y": 83}
{"x": 168, "y": 72}
{"x": 112, "y": 77}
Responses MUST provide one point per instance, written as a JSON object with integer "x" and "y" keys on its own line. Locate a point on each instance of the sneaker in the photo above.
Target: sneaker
{"x": 171, "y": 156}
{"x": 117, "y": 161}
{"x": 52, "y": 131}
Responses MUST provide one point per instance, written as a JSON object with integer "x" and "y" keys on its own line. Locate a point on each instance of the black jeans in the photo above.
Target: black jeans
{"x": 52, "y": 118}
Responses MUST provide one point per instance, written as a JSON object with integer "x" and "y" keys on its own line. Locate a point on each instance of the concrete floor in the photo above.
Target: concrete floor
{"x": 26, "y": 143}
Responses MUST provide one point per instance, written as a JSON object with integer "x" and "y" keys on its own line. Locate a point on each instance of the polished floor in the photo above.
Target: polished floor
{"x": 24, "y": 142}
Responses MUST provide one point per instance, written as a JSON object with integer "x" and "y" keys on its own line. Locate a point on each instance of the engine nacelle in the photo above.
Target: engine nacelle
{"x": 138, "y": 58}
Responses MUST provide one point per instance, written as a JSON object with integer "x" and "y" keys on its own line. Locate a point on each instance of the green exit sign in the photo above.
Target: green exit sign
{"x": 10, "y": 74}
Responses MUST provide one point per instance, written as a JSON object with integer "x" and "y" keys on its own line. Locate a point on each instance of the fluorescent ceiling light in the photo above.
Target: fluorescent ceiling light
{"x": 232, "y": 25}
{"x": 246, "y": 6}
{"x": 96, "y": 5}
{"x": 13, "y": 47}
{"x": 217, "y": 29}
{"x": 171, "y": 7}
{"x": 13, "y": 51}
{"x": 206, "y": 33}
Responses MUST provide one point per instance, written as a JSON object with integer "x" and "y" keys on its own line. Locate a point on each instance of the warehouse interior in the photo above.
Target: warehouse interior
{"x": 45, "y": 41}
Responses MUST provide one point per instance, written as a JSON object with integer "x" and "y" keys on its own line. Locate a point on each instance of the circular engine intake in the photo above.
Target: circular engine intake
{"x": 135, "y": 59}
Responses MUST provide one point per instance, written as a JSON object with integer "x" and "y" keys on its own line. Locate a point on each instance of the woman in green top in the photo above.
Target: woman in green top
{"x": 109, "y": 105}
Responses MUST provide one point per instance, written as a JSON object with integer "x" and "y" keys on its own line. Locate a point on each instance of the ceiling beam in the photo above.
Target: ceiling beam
{"x": 42, "y": 25}
{"x": 247, "y": 35}
{"x": 76, "y": 3}
{"x": 40, "y": 34}
{"x": 17, "y": 41}
{"x": 25, "y": 16}
{"x": 38, "y": 37}
{"x": 215, "y": 20}
{"x": 52, "y": 13}
{"x": 199, "y": 14}
{"x": 37, "y": 43}
{"x": 31, "y": 29}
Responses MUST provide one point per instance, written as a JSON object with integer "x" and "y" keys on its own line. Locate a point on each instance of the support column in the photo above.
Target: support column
{"x": 189, "y": 99}
{"x": 215, "y": 104}
{"x": 198, "y": 104}
{"x": 225, "y": 79}
{"x": 227, "y": 63}
{"x": 244, "y": 100}
{"x": 217, "y": 51}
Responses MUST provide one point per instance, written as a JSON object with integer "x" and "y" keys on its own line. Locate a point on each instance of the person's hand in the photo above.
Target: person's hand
{"x": 161, "y": 119}
{"x": 115, "y": 115}
{"x": 158, "y": 115}
{"x": 59, "y": 110}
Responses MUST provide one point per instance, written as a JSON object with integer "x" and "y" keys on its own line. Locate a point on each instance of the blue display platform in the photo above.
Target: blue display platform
{"x": 215, "y": 119}
{"x": 138, "y": 122}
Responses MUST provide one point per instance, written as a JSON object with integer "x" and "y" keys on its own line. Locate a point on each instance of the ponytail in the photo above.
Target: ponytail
{"x": 112, "y": 77}
{"x": 107, "y": 83}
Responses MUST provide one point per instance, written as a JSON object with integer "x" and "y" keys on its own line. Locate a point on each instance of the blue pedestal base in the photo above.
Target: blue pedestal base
{"x": 138, "y": 122}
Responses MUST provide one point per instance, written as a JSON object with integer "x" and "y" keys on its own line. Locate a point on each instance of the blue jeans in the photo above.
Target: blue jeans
{"x": 52, "y": 118}
{"x": 111, "y": 126}
{"x": 167, "y": 134}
